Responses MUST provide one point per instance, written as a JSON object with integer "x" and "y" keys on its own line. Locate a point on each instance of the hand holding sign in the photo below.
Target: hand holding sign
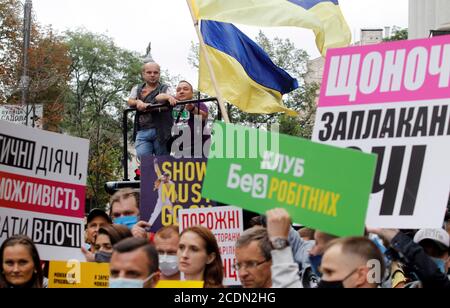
{"x": 139, "y": 230}
{"x": 90, "y": 256}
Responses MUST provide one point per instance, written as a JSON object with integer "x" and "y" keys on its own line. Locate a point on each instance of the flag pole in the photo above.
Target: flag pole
{"x": 210, "y": 68}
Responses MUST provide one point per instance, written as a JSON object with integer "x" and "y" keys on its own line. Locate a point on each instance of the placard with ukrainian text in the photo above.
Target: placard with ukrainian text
{"x": 321, "y": 186}
{"x": 393, "y": 100}
{"x": 42, "y": 189}
{"x": 227, "y": 225}
{"x": 78, "y": 275}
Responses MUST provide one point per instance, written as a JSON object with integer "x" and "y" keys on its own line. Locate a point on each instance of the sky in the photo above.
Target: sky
{"x": 168, "y": 25}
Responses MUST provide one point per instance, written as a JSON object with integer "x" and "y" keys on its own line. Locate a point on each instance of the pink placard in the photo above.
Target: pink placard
{"x": 41, "y": 196}
{"x": 403, "y": 71}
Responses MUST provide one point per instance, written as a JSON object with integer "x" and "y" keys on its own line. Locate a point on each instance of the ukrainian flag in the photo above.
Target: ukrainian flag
{"x": 245, "y": 74}
{"x": 324, "y": 17}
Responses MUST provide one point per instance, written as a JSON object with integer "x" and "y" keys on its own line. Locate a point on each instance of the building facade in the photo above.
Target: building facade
{"x": 427, "y": 15}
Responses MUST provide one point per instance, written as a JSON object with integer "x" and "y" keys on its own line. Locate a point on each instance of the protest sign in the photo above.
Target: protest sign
{"x": 393, "y": 100}
{"x": 169, "y": 185}
{"x": 76, "y": 275}
{"x": 322, "y": 187}
{"x": 42, "y": 189}
{"x": 227, "y": 225}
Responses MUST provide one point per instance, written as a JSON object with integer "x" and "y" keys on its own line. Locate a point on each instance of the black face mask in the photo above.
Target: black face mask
{"x": 103, "y": 257}
{"x": 339, "y": 284}
{"x": 330, "y": 285}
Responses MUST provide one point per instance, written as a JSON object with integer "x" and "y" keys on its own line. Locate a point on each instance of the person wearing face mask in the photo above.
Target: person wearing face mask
{"x": 166, "y": 243}
{"x": 354, "y": 262}
{"x": 20, "y": 264}
{"x": 124, "y": 207}
{"x": 426, "y": 254}
{"x": 134, "y": 264}
{"x": 316, "y": 253}
{"x": 436, "y": 244}
{"x": 107, "y": 237}
{"x": 124, "y": 210}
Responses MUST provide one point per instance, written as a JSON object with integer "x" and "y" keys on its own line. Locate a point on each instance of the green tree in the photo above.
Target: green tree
{"x": 10, "y": 47}
{"x": 49, "y": 72}
{"x": 101, "y": 77}
{"x": 398, "y": 34}
{"x": 48, "y": 67}
{"x": 284, "y": 54}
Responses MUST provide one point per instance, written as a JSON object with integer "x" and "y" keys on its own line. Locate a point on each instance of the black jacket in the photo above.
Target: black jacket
{"x": 420, "y": 262}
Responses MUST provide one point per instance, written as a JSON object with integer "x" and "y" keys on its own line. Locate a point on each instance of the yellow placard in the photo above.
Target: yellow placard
{"x": 169, "y": 284}
{"x": 77, "y": 275}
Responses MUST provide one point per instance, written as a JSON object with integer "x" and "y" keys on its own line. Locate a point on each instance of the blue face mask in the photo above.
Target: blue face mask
{"x": 125, "y": 283}
{"x": 441, "y": 264}
{"x": 103, "y": 257}
{"x": 129, "y": 221}
{"x": 379, "y": 244}
{"x": 316, "y": 262}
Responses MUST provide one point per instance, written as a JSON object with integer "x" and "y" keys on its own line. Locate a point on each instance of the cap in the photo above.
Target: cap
{"x": 98, "y": 212}
{"x": 440, "y": 236}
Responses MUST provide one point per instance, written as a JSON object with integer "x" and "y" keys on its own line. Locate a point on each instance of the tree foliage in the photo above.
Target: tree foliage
{"x": 48, "y": 69}
{"x": 101, "y": 77}
{"x": 398, "y": 34}
{"x": 10, "y": 46}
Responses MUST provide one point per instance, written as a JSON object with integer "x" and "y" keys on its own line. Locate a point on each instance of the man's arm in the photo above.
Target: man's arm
{"x": 164, "y": 97}
{"x": 134, "y": 102}
{"x": 138, "y": 104}
{"x": 167, "y": 96}
{"x": 300, "y": 248}
{"x": 285, "y": 272}
{"x": 284, "y": 269}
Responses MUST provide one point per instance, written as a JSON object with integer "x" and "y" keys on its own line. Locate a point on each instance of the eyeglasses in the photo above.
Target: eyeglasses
{"x": 249, "y": 265}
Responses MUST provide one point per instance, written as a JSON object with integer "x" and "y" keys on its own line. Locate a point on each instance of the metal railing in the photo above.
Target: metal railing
{"x": 153, "y": 108}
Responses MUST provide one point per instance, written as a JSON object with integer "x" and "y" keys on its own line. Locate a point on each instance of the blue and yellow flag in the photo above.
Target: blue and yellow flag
{"x": 245, "y": 74}
{"x": 322, "y": 16}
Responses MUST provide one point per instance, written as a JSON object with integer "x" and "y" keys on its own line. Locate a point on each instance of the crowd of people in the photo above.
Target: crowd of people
{"x": 269, "y": 254}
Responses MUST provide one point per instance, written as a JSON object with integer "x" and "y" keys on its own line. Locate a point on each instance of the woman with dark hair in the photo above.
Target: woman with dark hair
{"x": 21, "y": 265}
{"x": 106, "y": 238}
{"x": 199, "y": 257}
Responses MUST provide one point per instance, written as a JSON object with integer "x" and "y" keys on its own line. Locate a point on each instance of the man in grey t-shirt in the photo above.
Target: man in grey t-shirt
{"x": 153, "y": 129}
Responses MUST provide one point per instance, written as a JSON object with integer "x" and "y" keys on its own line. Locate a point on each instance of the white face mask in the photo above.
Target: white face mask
{"x": 168, "y": 265}
{"x": 126, "y": 283}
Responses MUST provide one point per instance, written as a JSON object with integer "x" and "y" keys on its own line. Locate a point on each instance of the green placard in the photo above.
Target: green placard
{"x": 322, "y": 187}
